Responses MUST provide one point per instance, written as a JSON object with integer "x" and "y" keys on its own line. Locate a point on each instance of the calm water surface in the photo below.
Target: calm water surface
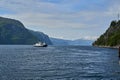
{"x": 20, "y": 62}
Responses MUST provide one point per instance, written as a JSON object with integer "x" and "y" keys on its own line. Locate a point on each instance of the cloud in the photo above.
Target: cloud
{"x": 68, "y": 17}
{"x": 51, "y": 20}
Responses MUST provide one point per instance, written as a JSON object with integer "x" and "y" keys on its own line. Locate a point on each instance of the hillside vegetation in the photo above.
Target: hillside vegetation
{"x": 111, "y": 38}
{"x": 13, "y": 32}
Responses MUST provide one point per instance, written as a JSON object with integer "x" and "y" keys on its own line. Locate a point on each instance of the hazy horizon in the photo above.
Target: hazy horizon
{"x": 64, "y": 19}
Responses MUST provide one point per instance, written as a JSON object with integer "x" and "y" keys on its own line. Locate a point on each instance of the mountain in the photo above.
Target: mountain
{"x": 13, "y": 32}
{"x": 82, "y": 42}
{"x": 111, "y": 38}
{"x": 42, "y": 37}
{"x": 59, "y": 42}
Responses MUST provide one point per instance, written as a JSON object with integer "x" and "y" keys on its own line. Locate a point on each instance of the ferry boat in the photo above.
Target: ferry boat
{"x": 40, "y": 44}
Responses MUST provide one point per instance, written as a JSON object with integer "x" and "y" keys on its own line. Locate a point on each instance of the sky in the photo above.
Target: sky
{"x": 65, "y": 19}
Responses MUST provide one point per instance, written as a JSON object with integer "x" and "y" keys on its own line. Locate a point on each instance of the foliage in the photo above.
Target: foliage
{"x": 111, "y": 37}
{"x": 14, "y": 32}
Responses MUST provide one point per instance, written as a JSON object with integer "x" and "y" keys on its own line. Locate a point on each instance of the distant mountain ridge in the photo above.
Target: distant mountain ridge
{"x": 13, "y": 32}
{"x": 111, "y": 38}
{"x": 63, "y": 42}
{"x": 82, "y": 42}
{"x": 57, "y": 41}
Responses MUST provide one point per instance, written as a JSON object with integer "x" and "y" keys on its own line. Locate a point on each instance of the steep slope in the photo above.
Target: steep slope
{"x": 111, "y": 38}
{"x": 13, "y": 32}
{"x": 42, "y": 37}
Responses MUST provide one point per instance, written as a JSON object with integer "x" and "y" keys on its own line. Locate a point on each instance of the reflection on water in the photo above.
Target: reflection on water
{"x": 58, "y": 63}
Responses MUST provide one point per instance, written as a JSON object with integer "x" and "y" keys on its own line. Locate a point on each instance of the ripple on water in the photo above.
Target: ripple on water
{"x": 58, "y": 63}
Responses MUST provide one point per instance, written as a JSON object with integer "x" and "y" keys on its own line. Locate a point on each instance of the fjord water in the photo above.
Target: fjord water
{"x": 25, "y": 62}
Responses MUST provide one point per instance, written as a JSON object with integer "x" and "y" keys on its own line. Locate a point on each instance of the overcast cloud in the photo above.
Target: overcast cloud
{"x": 68, "y": 19}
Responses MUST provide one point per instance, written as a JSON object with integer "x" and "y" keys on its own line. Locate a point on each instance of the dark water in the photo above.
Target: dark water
{"x": 58, "y": 63}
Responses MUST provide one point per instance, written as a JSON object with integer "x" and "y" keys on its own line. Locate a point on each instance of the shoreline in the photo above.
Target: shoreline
{"x": 113, "y": 47}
